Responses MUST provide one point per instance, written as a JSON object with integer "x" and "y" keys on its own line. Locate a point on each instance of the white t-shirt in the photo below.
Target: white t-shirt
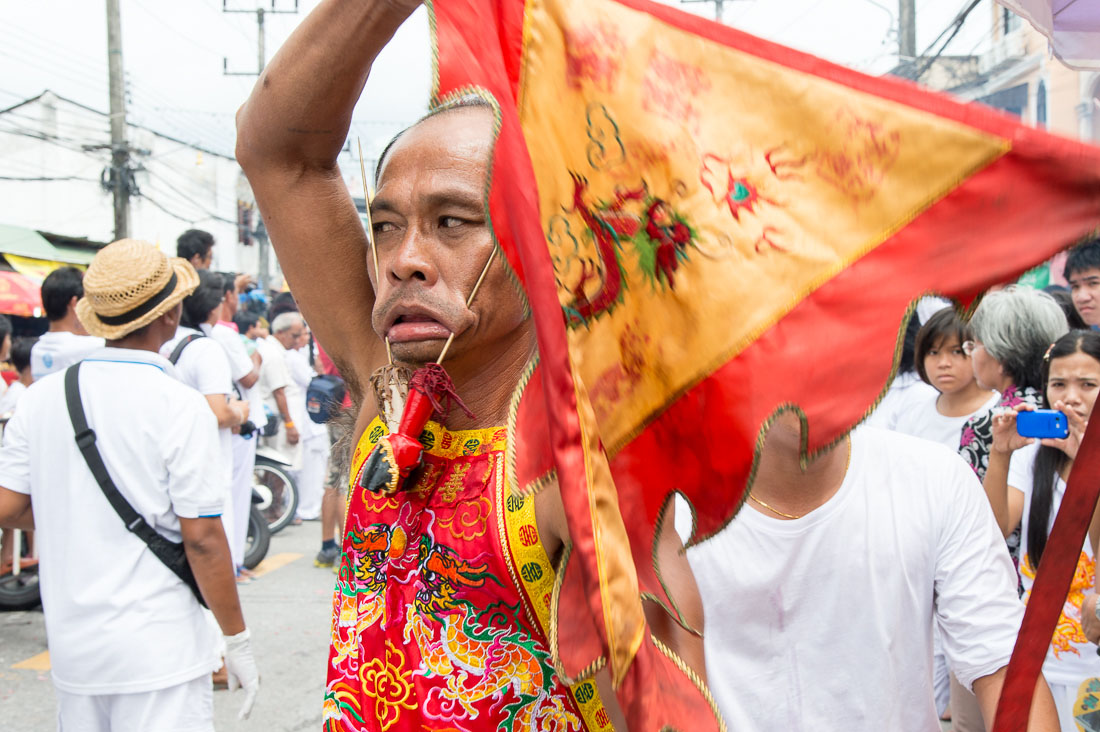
{"x": 11, "y": 397}
{"x": 825, "y": 622}
{"x": 905, "y": 387}
{"x": 1070, "y": 659}
{"x": 118, "y": 620}
{"x": 204, "y": 366}
{"x": 240, "y": 365}
{"x": 273, "y": 371}
{"x": 57, "y": 350}
{"x": 920, "y": 418}
{"x": 275, "y": 374}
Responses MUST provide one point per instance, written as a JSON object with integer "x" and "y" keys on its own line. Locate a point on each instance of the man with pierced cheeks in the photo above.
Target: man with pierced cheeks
{"x": 430, "y": 628}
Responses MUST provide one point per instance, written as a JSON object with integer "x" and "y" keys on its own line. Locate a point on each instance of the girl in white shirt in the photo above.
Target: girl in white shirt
{"x": 942, "y": 364}
{"x": 939, "y": 414}
{"x": 1026, "y": 480}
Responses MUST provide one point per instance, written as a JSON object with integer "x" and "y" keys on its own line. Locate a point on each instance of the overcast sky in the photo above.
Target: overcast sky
{"x": 173, "y": 54}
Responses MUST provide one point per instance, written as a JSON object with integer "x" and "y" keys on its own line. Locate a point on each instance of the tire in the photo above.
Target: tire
{"x": 20, "y": 592}
{"x": 258, "y": 540}
{"x": 277, "y": 483}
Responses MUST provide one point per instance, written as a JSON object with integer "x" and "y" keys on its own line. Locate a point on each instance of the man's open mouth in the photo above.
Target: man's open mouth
{"x": 411, "y": 327}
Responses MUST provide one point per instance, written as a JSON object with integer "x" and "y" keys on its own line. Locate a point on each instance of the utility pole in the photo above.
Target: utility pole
{"x": 120, "y": 178}
{"x": 263, "y": 254}
{"x": 261, "y": 56}
{"x": 719, "y": 6}
{"x": 907, "y": 28}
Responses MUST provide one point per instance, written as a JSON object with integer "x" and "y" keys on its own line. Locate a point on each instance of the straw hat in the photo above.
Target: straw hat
{"x": 130, "y": 284}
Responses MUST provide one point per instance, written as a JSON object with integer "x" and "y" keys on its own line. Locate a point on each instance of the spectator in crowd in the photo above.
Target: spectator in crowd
{"x": 245, "y": 370}
{"x": 197, "y": 247}
{"x": 66, "y": 341}
{"x": 1026, "y": 481}
{"x": 1012, "y": 329}
{"x": 281, "y": 303}
{"x": 315, "y": 438}
{"x": 203, "y": 364}
{"x": 5, "y": 347}
{"x": 336, "y": 477}
{"x": 1064, "y": 299}
{"x": 290, "y": 331}
{"x": 248, "y": 326}
{"x": 280, "y": 393}
{"x": 906, "y": 384}
{"x": 20, "y": 355}
{"x": 1083, "y": 274}
{"x": 5, "y": 337}
{"x": 130, "y": 646}
{"x": 902, "y": 531}
{"x": 942, "y": 364}
{"x": 21, "y": 360}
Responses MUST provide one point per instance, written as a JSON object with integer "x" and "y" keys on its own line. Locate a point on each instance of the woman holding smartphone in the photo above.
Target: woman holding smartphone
{"x": 1025, "y": 482}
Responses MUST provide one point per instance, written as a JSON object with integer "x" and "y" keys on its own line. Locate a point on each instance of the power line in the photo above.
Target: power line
{"x": 954, "y": 28}
{"x": 175, "y": 188}
{"x": 49, "y": 178}
{"x": 185, "y": 219}
{"x": 174, "y": 28}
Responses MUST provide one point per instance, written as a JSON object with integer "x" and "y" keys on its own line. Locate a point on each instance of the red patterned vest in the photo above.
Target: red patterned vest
{"x": 441, "y": 612}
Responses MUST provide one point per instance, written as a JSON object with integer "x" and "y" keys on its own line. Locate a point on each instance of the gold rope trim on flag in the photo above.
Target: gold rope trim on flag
{"x": 537, "y": 485}
{"x": 513, "y": 418}
{"x": 514, "y": 514}
{"x": 555, "y": 602}
{"x": 671, "y": 608}
{"x": 694, "y": 677}
{"x": 805, "y": 456}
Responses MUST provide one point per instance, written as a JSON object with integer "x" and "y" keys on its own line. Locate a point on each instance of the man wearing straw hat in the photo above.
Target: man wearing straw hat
{"x": 130, "y": 645}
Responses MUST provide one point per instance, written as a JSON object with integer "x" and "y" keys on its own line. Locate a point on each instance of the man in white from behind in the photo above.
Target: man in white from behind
{"x": 315, "y": 440}
{"x": 245, "y": 370}
{"x": 130, "y": 646}
{"x": 820, "y": 595}
{"x": 66, "y": 341}
{"x": 287, "y": 332}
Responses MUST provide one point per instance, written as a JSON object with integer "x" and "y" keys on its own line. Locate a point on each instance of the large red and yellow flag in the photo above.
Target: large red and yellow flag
{"x": 709, "y": 228}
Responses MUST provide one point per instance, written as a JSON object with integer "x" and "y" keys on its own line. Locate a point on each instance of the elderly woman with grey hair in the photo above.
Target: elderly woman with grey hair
{"x": 1013, "y": 328}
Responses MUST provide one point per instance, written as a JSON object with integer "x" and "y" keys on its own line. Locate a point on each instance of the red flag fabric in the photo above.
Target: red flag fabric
{"x": 710, "y": 228}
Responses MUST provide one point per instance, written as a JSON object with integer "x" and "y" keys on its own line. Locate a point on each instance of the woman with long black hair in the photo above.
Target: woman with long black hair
{"x": 1025, "y": 482}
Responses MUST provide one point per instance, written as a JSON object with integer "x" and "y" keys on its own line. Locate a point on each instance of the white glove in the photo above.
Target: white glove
{"x": 241, "y": 669}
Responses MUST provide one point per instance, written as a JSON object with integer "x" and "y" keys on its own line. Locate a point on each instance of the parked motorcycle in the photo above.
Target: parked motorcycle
{"x": 277, "y": 490}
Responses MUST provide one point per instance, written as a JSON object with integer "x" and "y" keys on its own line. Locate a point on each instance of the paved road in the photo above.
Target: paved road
{"x": 287, "y": 610}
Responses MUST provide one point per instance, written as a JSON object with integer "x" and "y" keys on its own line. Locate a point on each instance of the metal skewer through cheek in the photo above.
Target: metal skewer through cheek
{"x": 373, "y": 248}
{"x": 469, "y": 301}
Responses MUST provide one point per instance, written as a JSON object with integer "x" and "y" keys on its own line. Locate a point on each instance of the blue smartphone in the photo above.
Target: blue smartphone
{"x": 1042, "y": 423}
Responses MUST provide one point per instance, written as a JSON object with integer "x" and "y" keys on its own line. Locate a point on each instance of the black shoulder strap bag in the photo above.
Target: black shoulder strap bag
{"x": 174, "y": 357}
{"x": 169, "y": 552}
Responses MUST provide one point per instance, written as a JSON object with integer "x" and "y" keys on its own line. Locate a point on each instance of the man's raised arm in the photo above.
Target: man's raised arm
{"x": 289, "y": 134}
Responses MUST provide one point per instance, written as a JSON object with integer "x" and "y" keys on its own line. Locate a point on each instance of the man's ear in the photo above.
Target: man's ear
{"x": 72, "y": 303}
{"x": 172, "y": 317}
